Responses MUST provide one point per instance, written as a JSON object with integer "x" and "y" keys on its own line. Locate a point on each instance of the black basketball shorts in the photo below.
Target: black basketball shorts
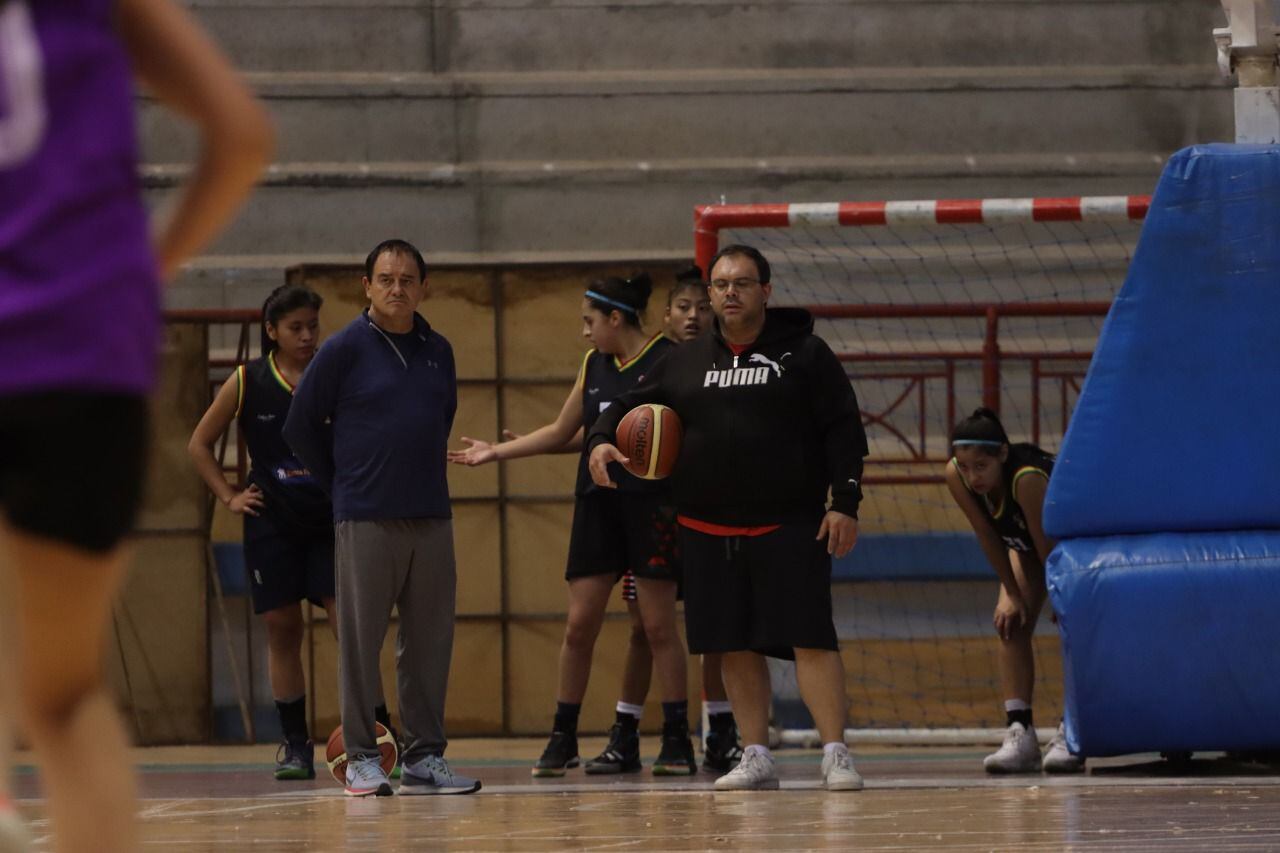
{"x": 72, "y": 465}
{"x": 769, "y": 593}
{"x": 287, "y": 563}
{"x": 615, "y": 531}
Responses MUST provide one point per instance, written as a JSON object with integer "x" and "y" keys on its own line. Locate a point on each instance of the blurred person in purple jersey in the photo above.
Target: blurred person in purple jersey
{"x": 80, "y": 294}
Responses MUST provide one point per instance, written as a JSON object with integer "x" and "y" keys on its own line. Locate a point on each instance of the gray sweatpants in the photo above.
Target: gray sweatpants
{"x": 408, "y": 563}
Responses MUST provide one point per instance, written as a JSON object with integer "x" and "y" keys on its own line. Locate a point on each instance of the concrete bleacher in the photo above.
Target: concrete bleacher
{"x": 551, "y": 130}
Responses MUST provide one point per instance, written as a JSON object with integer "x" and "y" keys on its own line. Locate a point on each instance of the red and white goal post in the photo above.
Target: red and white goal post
{"x": 937, "y": 307}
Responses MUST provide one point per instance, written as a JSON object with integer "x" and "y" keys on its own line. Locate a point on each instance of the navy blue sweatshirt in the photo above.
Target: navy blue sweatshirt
{"x": 391, "y": 400}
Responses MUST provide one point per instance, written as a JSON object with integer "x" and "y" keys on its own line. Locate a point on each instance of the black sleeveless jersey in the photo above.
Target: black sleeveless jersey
{"x": 289, "y": 492}
{"x": 1008, "y": 518}
{"x": 604, "y": 379}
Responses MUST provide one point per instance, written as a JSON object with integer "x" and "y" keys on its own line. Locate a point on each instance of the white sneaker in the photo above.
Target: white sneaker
{"x": 838, "y": 773}
{"x": 1020, "y": 752}
{"x": 1058, "y": 759}
{"x": 755, "y": 772}
{"x": 13, "y": 831}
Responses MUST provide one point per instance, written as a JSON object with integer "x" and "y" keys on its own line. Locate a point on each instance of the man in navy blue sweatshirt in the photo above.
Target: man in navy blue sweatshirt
{"x": 371, "y": 420}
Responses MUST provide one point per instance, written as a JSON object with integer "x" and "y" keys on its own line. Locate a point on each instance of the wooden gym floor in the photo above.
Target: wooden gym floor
{"x": 224, "y": 799}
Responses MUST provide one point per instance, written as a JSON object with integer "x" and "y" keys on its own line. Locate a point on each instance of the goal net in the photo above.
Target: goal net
{"x": 936, "y": 308}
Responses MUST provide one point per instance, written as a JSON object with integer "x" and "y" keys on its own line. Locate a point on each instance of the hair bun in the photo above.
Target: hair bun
{"x": 643, "y": 285}
{"x": 691, "y": 274}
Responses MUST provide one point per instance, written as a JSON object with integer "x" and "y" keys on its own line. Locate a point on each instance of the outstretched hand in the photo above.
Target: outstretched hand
{"x": 598, "y": 464}
{"x": 478, "y": 452}
{"x": 840, "y": 531}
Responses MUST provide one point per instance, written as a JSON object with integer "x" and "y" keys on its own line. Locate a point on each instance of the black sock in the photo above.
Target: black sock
{"x": 675, "y": 713}
{"x": 293, "y": 719}
{"x": 721, "y": 722}
{"x": 567, "y": 717}
{"x": 382, "y": 715}
{"x": 628, "y": 722}
{"x": 1021, "y": 716}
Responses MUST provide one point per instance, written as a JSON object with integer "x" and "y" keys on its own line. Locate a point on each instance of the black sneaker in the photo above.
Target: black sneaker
{"x": 295, "y": 761}
{"x": 676, "y": 757}
{"x": 560, "y": 755}
{"x": 723, "y": 751}
{"x": 622, "y": 755}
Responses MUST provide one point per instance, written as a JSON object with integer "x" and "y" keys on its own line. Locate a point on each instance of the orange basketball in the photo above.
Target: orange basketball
{"x": 335, "y": 752}
{"x": 649, "y": 435}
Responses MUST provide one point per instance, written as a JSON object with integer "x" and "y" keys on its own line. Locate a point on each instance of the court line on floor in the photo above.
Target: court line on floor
{"x": 921, "y": 783}
{"x": 1111, "y": 780}
{"x": 683, "y": 789}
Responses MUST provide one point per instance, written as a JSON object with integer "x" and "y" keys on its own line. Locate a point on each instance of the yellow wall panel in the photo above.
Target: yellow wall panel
{"x": 474, "y": 704}
{"x": 175, "y": 496}
{"x": 157, "y": 660}
{"x": 542, "y": 322}
{"x": 538, "y": 543}
{"x": 476, "y": 541}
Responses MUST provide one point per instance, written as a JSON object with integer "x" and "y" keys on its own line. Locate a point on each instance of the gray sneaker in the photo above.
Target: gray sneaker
{"x": 366, "y": 778}
{"x": 432, "y": 775}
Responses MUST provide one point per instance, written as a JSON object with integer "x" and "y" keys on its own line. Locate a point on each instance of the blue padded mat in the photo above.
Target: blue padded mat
{"x": 1175, "y": 428}
{"x": 1170, "y": 641}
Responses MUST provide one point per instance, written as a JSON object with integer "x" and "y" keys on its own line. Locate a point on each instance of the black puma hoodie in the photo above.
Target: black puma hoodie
{"x": 766, "y": 432}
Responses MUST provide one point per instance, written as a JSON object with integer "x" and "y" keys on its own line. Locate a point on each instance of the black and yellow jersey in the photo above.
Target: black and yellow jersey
{"x": 290, "y": 493}
{"x": 1007, "y": 517}
{"x": 604, "y": 379}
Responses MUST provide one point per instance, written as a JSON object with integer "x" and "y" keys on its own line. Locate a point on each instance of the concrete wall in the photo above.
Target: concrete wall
{"x": 550, "y": 130}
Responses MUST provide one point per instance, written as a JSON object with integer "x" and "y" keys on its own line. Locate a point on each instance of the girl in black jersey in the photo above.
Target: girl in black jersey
{"x": 288, "y": 519}
{"x": 1001, "y": 487}
{"x": 614, "y": 531}
{"x": 688, "y": 315}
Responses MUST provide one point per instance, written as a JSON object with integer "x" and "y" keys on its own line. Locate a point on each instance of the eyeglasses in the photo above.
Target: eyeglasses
{"x": 388, "y": 283}
{"x": 720, "y": 285}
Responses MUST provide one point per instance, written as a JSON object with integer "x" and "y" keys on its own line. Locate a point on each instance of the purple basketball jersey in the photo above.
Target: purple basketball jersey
{"x": 79, "y": 290}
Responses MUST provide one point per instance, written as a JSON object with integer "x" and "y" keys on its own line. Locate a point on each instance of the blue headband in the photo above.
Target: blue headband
{"x": 621, "y": 306}
{"x": 977, "y": 442}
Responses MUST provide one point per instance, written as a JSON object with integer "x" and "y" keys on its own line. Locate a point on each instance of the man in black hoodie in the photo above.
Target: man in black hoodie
{"x": 771, "y": 425}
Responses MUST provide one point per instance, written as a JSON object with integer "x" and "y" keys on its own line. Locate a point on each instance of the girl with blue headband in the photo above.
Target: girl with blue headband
{"x": 614, "y": 531}
{"x": 1000, "y": 486}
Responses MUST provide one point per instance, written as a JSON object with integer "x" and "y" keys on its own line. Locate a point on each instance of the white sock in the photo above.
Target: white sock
{"x": 718, "y": 707}
{"x": 633, "y": 710}
{"x": 1016, "y": 705}
{"x": 758, "y": 748}
{"x": 834, "y": 746}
